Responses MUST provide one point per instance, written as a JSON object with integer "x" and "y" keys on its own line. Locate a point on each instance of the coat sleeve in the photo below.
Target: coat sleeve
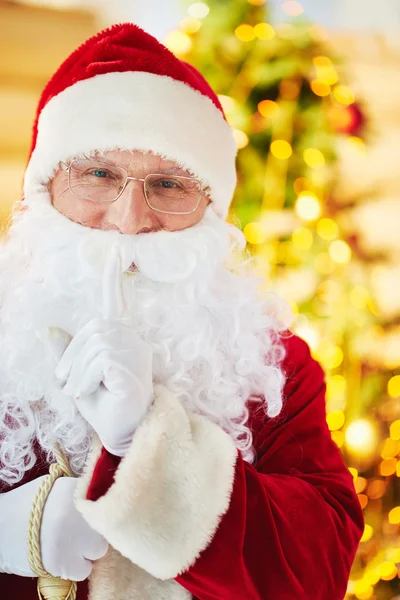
{"x": 286, "y": 527}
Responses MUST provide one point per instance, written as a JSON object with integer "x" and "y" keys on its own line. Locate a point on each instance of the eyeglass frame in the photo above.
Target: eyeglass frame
{"x": 204, "y": 190}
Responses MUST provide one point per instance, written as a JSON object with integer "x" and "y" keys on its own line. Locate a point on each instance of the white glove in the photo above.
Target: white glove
{"x": 107, "y": 369}
{"x": 68, "y": 544}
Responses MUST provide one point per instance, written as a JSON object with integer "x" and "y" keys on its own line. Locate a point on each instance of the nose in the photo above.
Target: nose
{"x": 130, "y": 213}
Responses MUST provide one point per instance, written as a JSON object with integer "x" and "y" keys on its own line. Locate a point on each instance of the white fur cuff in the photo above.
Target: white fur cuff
{"x": 170, "y": 490}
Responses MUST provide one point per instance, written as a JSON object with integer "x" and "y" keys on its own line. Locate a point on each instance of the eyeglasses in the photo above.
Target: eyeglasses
{"x": 101, "y": 182}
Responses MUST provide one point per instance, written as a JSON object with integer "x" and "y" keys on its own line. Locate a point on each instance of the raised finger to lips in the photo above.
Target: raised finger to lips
{"x": 113, "y": 298}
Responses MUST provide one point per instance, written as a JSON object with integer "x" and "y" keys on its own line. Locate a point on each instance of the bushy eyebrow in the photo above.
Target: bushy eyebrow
{"x": 161, "y": 171}
{"x": 174, "y": 171}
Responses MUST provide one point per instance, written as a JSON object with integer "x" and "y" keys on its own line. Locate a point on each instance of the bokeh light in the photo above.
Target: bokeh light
{"x": 307, "y": 206}
{"x": 292, "y": 8}
{"x": 394, "y": 386}
{"x": 178, "y": 42}
{"x": 327, "y": 229}
{"x": 344, "y": 95}
{"x": 340, "y": 251}
{"x": 241, "y": 138}
{"x": 198, "y": 10}
{"x": 314, "y": 158}
{"x": 361, "y": 437}
{"x": 281, "y": 149}
{"x": 264, "y": 31}
{"x": 245, "y": 33}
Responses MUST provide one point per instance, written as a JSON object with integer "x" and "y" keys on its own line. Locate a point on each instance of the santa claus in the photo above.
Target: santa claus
{"x": 137, "y": 348}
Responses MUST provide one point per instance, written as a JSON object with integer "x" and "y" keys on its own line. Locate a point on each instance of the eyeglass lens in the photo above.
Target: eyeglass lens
{"x": 96, "y": 181}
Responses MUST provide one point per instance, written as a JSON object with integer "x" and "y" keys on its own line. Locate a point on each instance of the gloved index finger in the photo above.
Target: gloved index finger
{"x": 113, "y": 299}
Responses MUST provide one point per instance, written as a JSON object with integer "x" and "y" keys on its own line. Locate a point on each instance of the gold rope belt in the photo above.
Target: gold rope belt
{"x": 48, "y": 587}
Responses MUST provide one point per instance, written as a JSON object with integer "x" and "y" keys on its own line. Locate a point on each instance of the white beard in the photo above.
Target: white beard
{"x": 215, "y": 340}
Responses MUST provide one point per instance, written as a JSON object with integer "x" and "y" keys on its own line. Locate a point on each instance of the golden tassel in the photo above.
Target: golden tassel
{"x": 48, "y": 587}
{"x": 55, "y": 588}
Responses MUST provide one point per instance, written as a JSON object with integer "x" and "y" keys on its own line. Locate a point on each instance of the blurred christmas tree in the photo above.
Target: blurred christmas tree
{"x": 282, "y": 92}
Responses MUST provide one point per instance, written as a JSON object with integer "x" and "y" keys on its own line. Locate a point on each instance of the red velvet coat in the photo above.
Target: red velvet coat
{"x": 293, "y": 521}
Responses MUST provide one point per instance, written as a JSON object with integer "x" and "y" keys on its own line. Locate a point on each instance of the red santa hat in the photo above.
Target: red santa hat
{"x": 123, "y": 89}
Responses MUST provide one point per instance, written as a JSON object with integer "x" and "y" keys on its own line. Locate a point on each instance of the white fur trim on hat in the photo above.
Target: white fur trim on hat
{"x": 137, "y": 110}
{"x": 170, "y": 490}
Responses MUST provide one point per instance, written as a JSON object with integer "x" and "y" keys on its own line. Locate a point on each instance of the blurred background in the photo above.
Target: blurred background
{"x": 312, "y": 90}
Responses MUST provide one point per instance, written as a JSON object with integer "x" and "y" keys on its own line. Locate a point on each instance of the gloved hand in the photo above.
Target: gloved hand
{"x": 107, "y": 369}
{"x": 68, "y": 544}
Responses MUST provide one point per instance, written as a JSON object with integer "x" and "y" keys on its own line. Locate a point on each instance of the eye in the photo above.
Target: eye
{"x": 168, "y": 183}
{"x": 100, "y": 173}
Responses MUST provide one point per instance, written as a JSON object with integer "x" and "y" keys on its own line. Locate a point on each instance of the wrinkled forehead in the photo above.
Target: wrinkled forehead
{"x": 138, "y": 161}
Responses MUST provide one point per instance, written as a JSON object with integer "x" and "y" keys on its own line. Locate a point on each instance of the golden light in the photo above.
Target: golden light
{"x": 268, "y": 108}
{"x": 394, "y": 515}
{"x": 302, "y": 238}
{"x": 361, "y": 437}
{"x": 395, "y": 430}
{"x": 354, "y": 472}
{"x": 314, "y": 158}
{"x": 388, "y": 570}
{"x": 322, "y": 61}
{"x": 344, "y": 95}
{"x": 390, "y": 448}
{"x": 299, "y": 185}
{"x": 320, "y": 88}
{"x": 376, "y": 489}
{"x": 394, "y": 386}
{"x": 357, "y": 143}
{"x": 241, "y": 138}
{"x": 293, "y": 8}
{"x": 257, "y": 2}
{"x": 190, "y": 25}
{"x": 336, "y": 386}
{"x": 255, "y": 233}
{"x": 327, "y": 75}
{"x": 327, "y": 229}
{"x": 264, "y": 31}
{"x": 394, "y": 555}
{"x": 294, "y": 307}
{"x": 324, "y": 264}
{"x": 340, "y": 117}
{"x": 363, "y": 500}
{"x": 331, "y": 290}
{"x": 362, "y": 590}
{"x": 335, "y": 420}
{"x": 340, "y": 252}
{"x": 308, "y": 334}
{"x": 307, "y": 206}
{"x": 331, "y": 356}
{"x": 228, "y": 103}
{"x": 198, "y": 10}
{"x": 359, "y": 297}
{"x": 388, "y": 467}
{"x": 338, "y": 438}
{"x": 281, "y": 149}
{"x": 360, "y": 484}
{"x": 367, "y": 535}
{"x": 178, "y": 42}
{"x": 372, "y": 575}
{"x": 245, "y": 33}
